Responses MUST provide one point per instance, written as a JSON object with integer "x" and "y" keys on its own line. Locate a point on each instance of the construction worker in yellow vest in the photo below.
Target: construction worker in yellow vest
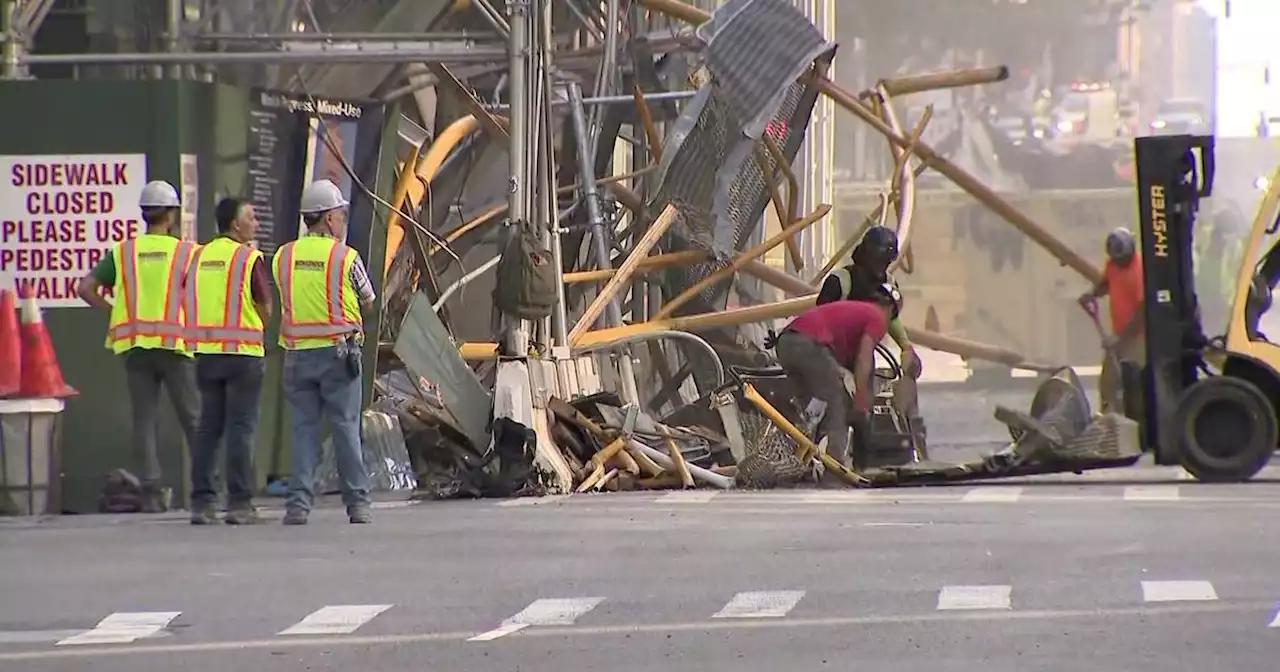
{"x": 146, "y": 275}
{"x": 323, "y": 287}
{"x": 227, "y": 301}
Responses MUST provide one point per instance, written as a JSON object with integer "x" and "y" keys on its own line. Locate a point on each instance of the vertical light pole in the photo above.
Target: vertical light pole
{"x": 11, "y": 50}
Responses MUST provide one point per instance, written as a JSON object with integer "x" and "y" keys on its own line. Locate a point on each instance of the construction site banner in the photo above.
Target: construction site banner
{"x": 294, "y": 139}
{"x": 60, "y": 214}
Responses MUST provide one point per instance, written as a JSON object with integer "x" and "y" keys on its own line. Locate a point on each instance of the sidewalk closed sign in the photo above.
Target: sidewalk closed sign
{"x": 59, "y": 215}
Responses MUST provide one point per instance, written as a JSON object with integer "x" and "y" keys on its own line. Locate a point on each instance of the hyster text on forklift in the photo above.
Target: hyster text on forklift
{"x": 1210, "y": 404}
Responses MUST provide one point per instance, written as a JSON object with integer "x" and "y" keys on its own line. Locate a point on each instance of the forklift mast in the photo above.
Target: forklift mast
{"x": 1173, "y": 174}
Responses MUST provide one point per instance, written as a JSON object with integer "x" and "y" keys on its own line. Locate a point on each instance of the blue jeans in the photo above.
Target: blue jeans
{"x": 230, "y": 388}
{"x": 317, "y": 383}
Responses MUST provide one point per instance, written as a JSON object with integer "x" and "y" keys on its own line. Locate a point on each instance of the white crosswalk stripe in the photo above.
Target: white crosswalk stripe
{"x": 975, "y": 597}
{"x": 1064, "y": 494}
{"x": 993, "y": 494}
{"x": 761, "y": 604}
{"x": 688, "y": 497}
{"x": 1178, "y": 591}
{"x": 555, "y": 611}
{"x": 1152, "y": 493}
{"x": 123, "y": 627}
{"x": 837, "y": 497}
{"x": 342, "y": 619}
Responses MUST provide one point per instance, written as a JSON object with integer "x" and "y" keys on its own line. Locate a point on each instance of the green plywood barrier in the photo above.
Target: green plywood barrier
{"x": 163, "y": 120}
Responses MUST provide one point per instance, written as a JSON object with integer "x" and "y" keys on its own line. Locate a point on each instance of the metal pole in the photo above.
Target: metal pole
{"x": 612, "y": 100}
{"x": 518, "y": 150}
{"x": 600, "y": 243}
{"x": 493, "y": 17}
{"x": 173, "y": 38}
{"x": 559, "y": 318}
{"x": 445, "y": 36}
{"x": 541, "y": 128}
{"x": 11, "y": 66}
{"x": 608, "y": 76}
{"x": 354, "y": 54}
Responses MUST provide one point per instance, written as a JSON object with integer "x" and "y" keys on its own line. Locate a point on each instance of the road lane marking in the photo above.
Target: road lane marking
{"x": 688, "y": 497}
{"x": 628, "y": 631}
{"x": 1152, "y": 493}
{"x": 340, "y": 619}
{"x": 992, "y": 494}
{"x": 123, "y": 627}
{"x": 552, "y": 611}
{"x": 533, "y": 501}
{"x": 1178, "y": 591}
{"x": 1275, "y": 620}
{"x": 35, "y": 636}
{"x": 836, "y": 497}
{"x": 761, "y": 604}
{"x": 974, "y": 597}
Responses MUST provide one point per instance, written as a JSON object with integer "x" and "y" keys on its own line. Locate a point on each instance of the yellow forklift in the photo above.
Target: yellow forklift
{"x": 1210, "y": 403}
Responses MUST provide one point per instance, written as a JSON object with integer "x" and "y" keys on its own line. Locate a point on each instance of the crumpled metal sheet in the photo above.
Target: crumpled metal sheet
{"x": 711, "y": 170}
{"x": 440, "y": 375}
{"x": 756, "y": 49}
{"x": 386, "y": 457}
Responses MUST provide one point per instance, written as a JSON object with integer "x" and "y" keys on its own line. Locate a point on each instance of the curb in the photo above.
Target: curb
{"x": 1010, "y": 384}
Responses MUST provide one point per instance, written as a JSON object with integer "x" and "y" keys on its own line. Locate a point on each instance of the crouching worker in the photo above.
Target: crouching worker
{"x": 819, "y": 345}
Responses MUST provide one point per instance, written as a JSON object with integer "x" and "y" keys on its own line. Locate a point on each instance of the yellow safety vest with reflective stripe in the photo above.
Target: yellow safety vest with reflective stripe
{"x": 147, "y": 312}
{"x": 318, "y": 305}
{"x": 218, "y": 300}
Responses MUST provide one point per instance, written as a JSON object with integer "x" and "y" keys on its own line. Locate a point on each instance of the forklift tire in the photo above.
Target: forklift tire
{"x": 1228, "y": 429}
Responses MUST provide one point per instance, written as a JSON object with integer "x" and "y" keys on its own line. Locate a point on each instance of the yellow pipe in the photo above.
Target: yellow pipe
{"x": 804, "y": 447}
{"x": 424, "y": 170}
{"x": 694, "y": 323}
{"x": 398, "y": 199}
{"x": 647, "y": 265}
{"x": 621, "y": 278}
{"x": 740, "y": 260}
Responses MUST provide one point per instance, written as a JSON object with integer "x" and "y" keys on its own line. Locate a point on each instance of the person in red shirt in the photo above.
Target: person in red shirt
{"x": 818, "y": 345}
{"x": 1122, "y": 284}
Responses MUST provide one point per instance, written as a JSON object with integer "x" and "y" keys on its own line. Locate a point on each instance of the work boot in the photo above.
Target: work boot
{"x": 156, "y": 499}
{"x": 204, "y": 514}
{"x": 244, "y": 514}
{"x": 360, "y": 515}
{"x": 295, "y": 517}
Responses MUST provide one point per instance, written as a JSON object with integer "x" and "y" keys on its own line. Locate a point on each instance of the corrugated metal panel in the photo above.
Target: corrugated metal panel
{"x": 425, "y": 347}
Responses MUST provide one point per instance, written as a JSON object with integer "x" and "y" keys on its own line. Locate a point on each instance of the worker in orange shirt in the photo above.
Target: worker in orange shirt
{"x": 1122, "y": 284}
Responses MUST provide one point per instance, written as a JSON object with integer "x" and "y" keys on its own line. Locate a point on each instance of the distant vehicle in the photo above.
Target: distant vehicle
{"x": 1178, "y": 116}
{"x": 1089, "y": 112}
{"x": 1015, "y": 127}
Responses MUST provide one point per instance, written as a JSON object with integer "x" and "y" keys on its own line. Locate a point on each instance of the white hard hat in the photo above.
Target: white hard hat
{"x": 321, "y": 196}
{"x": 159, "y": 194}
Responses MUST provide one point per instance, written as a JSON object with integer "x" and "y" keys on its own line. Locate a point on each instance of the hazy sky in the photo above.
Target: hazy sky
{"x": 1246, "y": 45}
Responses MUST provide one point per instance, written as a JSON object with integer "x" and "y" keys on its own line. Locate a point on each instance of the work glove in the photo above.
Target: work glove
{"x": 912, "y": 367}
{"x": 1089, "y": 302}
{"x": 770, "y": 340}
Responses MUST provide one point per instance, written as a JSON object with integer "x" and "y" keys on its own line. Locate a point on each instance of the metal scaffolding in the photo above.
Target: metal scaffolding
{"x": 572, "y": 93}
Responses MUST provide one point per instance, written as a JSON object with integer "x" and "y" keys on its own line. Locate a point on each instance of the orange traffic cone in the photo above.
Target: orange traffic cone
{"x": 10, "y": 346}
{"x": 41, "y": 375}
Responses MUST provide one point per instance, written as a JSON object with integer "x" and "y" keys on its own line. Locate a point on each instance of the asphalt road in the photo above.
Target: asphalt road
{"x": 1129, "y": 571}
